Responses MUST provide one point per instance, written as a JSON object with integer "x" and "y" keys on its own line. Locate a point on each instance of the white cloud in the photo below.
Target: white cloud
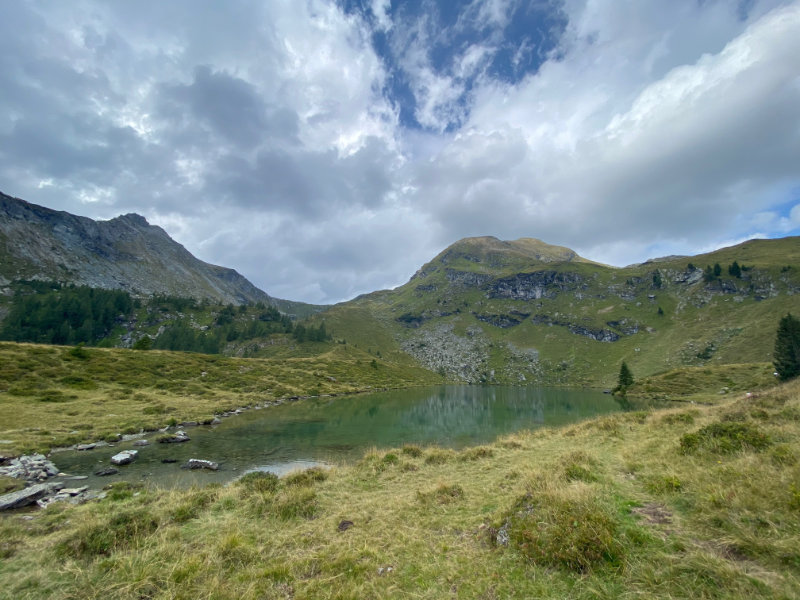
{"x": 608, "y": 151}
{"x": 260, "y": 135}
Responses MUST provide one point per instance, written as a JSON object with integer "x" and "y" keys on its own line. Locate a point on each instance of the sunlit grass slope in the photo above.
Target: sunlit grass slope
{"x": 664, "y": 313}
{"x": 54, "y": 396}
{"x": 690, "y": 502}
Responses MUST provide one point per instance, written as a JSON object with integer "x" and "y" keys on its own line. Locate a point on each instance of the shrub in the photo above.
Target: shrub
{"x": 123, "y": 529}
{"x": 578, "y": 467}
{"x": 725, "y": 438}
{"x": 663, "y": 484}
{"x": 295, "y": 503}
{"x": 442, "y": 494}
{"x": 572, "y": 532}
{"x": 438, "y": 456}
{"x": 307, "y": 477}
{"x": 412, "y": 450}
{"x": 476, "y": 453}
{"x": 679, "y": 418}
{"x": 259, "y": 482}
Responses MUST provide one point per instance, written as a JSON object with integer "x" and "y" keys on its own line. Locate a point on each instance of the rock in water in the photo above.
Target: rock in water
{"x": 175, "y": 438}
{"x": 196, "y": 463}
{"x": 29, "y": 495}
{"x": 107, "y": 471}
{"x": 125, "y": 457}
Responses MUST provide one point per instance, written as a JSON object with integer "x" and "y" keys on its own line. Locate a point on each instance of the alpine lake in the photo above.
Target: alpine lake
{"x": 339, "y": 430}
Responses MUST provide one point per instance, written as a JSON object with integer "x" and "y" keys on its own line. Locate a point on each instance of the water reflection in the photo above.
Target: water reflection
{"x": 339, "y": 430}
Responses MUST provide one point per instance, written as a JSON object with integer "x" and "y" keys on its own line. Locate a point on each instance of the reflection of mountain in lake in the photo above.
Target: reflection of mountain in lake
{"x": 340, "y": 429}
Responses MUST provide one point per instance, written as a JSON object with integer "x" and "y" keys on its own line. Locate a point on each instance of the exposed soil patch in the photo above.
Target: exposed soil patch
{"x": 654, "y": 513}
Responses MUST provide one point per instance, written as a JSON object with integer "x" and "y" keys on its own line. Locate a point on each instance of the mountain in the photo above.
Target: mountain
{"x": 124, "y": 253}
{"x": 486, "y": 310}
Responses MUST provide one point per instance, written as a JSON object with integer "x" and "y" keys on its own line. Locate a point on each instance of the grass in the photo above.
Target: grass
{"x": 50, "y": 396}
{"x": 610, "y": 508}
{"x": 703, "y": 325}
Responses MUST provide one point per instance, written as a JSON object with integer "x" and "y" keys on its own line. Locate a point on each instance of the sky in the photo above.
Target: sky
{"x": 326, "y": 148}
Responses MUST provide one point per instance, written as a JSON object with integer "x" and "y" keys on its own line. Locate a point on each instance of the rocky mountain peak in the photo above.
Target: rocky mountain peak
{"x": 123, "y": 253}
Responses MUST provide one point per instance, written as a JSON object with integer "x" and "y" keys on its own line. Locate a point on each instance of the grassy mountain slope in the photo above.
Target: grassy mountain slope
{"x": 692, "y": 502}
{"x": 485, "y": 310}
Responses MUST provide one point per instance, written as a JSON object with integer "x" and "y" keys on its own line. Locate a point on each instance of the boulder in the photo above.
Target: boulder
{"x": 124, "y": 458}
{"x": 29, "y": 495}
{"x": 174, "y": 438}
{"x": 106, "y": 472}
{"x": 197, "y": 463}
{"x": 141, "y": 443}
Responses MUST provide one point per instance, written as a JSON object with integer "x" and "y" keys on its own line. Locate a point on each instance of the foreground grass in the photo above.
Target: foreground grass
{"x": 53, "y": 396}
{"x": 690, "y": 502}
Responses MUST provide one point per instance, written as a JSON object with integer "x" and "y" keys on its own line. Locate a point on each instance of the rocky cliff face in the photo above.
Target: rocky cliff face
{"x": 123, "y": 253}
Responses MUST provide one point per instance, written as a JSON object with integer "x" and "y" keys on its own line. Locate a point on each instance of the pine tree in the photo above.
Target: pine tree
{"x": 787, "y": 348}
{"x": 717, "y": 270}
{"x": 735, "y": 270}
{"x": 625, "y": 376}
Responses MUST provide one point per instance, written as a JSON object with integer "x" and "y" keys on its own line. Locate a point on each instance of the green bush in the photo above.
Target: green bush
{"x": 476, "y": 453}
{"x": 442, "y": 494}
{"x": 259, "y": 481}
{"x": 579, "y": 466}
{"x": 663, "y": 484}
{"x": 572, "y": 533}
{"x": 307, "y": 477}
{"x": 122, "y": 530}
{"x": 295, "y": 503}
{"x": 725, "y": 438}
{"x": 412, "y": 450}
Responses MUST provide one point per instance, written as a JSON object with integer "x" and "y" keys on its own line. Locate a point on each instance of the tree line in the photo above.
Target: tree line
{"x": 53, "y": 313}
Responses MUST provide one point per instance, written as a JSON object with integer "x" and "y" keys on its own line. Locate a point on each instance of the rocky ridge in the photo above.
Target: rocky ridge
{"x": 124, "y": 253}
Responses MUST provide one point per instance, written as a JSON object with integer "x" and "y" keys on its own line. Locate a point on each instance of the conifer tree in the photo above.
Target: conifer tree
{"x": 625, "y": 376}
{"x": 786, "y": 357}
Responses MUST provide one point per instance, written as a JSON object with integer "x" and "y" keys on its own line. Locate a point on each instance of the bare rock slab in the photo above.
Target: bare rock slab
{"x": 124, "y": 458}
{"x": 29, "y": 495}
{"x": 197, "y": 463}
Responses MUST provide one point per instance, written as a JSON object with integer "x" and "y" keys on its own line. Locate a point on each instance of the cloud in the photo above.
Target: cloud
{"x": 677, "y": 159}
{"x": 328, "y": 149}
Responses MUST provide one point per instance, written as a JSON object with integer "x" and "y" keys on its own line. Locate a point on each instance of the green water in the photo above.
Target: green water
{"x": 339, "y": 430}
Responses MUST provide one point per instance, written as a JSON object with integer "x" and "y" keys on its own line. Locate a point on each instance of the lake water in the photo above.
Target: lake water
{"x": 339, "y": 430}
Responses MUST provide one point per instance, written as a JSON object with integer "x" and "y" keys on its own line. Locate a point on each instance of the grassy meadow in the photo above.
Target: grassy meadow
{"x": 53, "y": 396}
{"x": 694, "y": 501}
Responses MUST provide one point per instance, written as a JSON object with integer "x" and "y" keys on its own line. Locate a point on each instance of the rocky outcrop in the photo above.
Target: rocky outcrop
{"x": 466, "y": 278}
{"x": 415, "y": 320}
{"x": 503, "y": 321}
{"x": 597, "y": 334}
{"x": 29, "y": 495}
{"x": 199, "y": 463}
{"x": 32, "y": 468}
{"x": 440, "y": 349}
{"x": 533, "y": 286}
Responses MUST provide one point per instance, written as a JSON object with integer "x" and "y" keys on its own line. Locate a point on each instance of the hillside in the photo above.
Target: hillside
{"x": 485, "y": 310}
{"x": 124, "y": 253}
{"x": 690, "y": 502}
